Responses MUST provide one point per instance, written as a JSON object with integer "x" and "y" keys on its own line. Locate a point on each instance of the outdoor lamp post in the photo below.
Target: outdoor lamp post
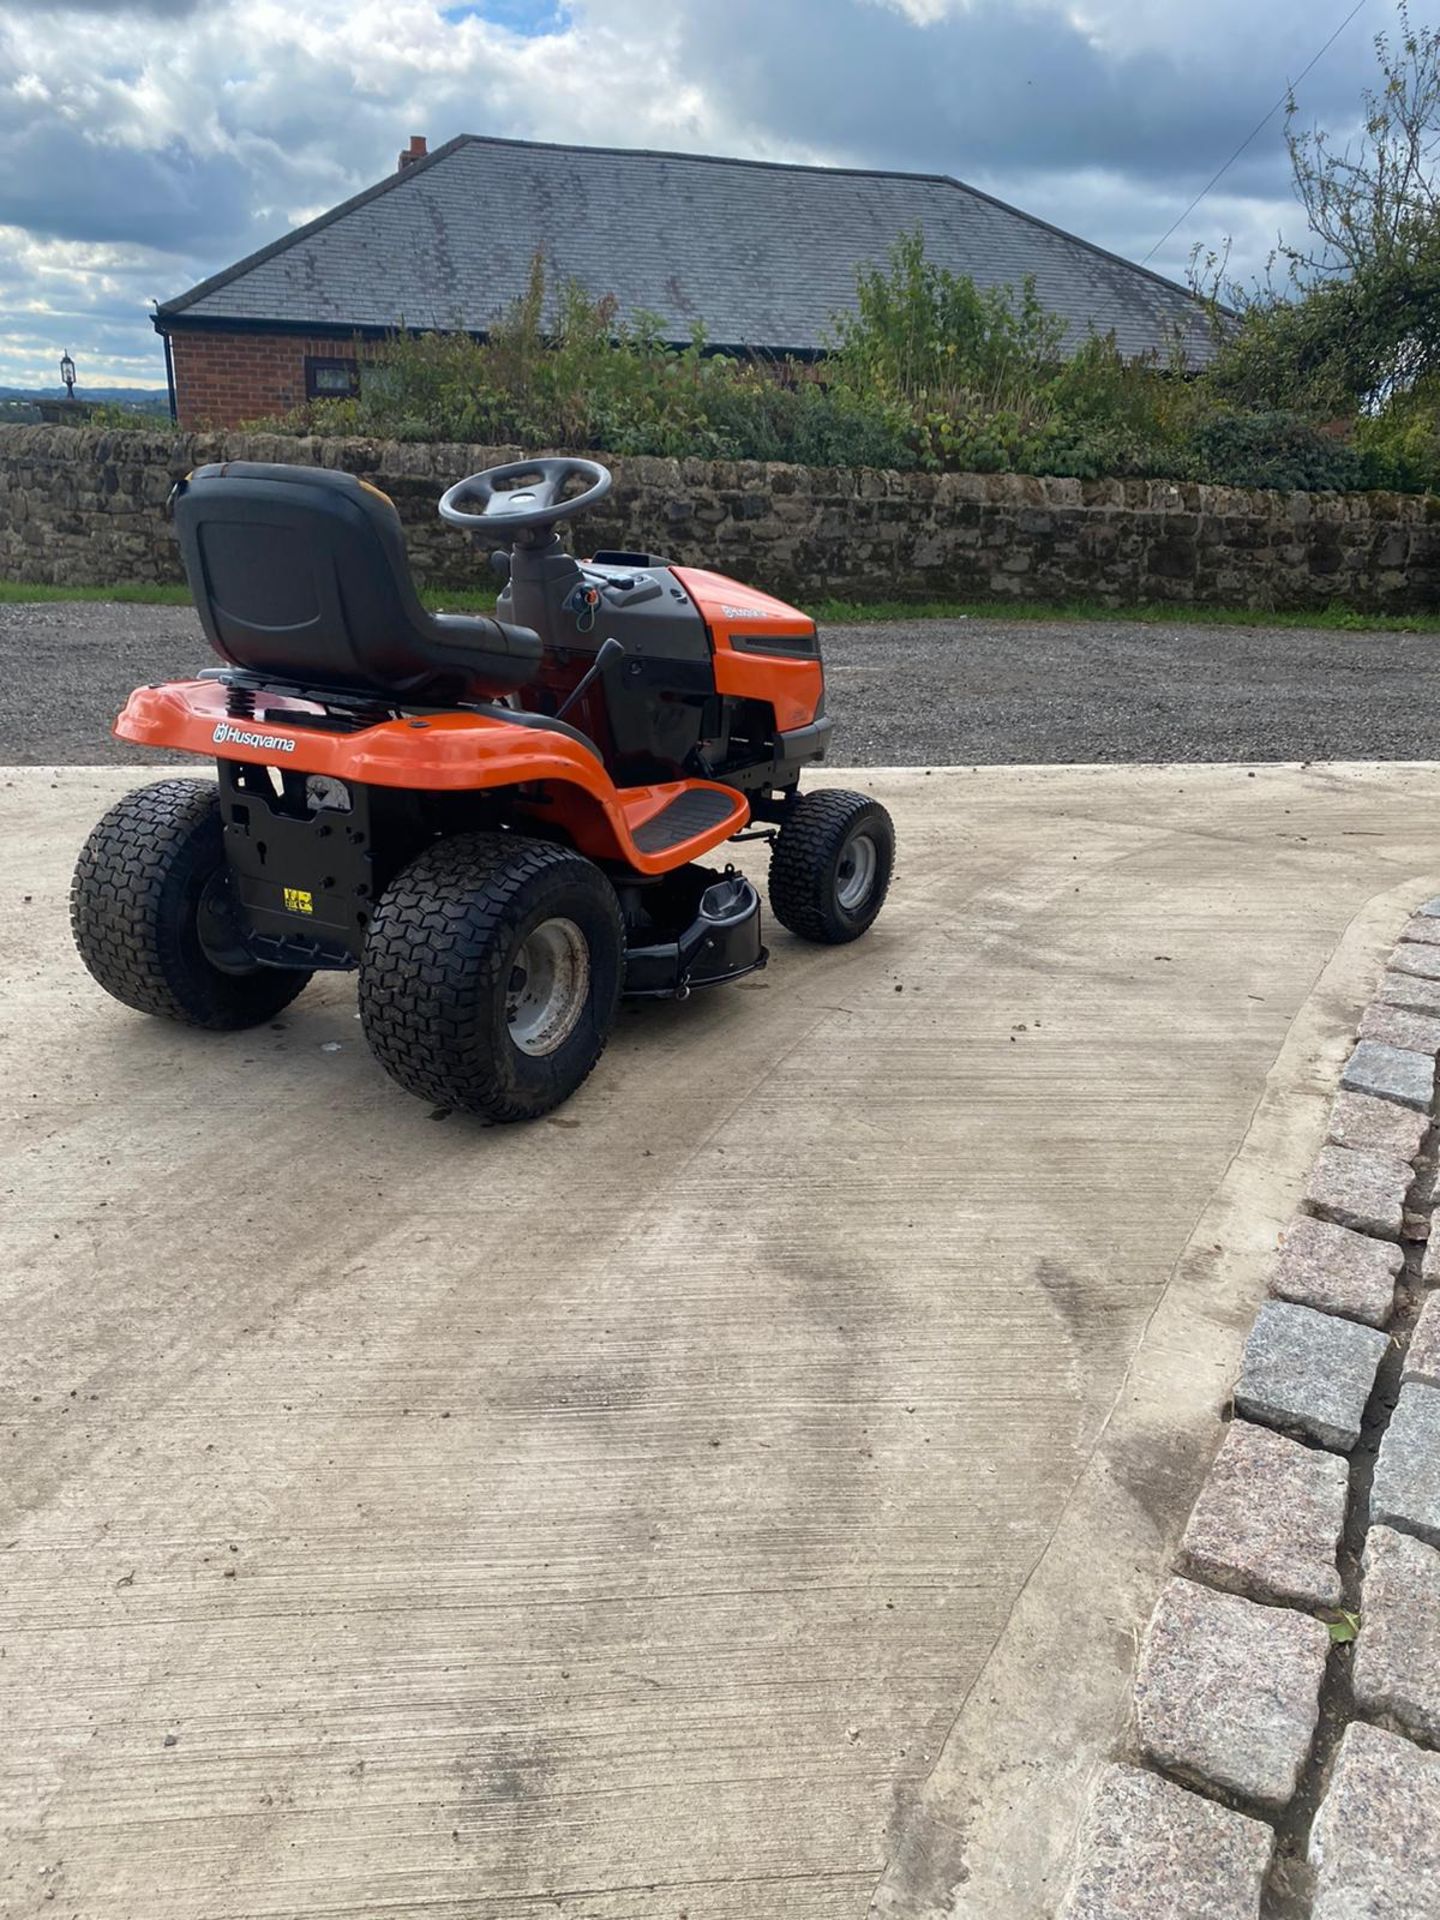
{"x": 67, "y": 374}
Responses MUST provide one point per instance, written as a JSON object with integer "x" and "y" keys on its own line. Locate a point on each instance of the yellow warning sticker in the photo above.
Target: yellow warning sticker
{"x": 298, "y": 901}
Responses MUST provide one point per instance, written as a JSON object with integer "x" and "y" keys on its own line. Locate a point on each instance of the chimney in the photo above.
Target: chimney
{"x": 417, "y": 150}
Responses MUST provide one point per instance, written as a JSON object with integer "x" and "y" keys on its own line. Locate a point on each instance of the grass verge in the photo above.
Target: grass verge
{"x": 844, "y": 613}
{"x": 19, "y": 593}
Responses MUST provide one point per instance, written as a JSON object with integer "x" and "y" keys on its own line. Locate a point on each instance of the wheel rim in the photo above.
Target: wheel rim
{"x": 855, "y": 875}
{"x": 549, "y": 985}
{"x": 218, "y": 930}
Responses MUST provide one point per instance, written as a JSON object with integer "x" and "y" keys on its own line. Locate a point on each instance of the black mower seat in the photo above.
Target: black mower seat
{"x": 300, "y": 574}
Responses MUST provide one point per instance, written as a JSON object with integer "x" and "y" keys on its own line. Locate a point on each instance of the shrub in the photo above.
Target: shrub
{"x": 1401, "y": 443}
{"x": 1273, "y": 450}
{"x": 929, "y": 372}
{"x": 589, "y": 383}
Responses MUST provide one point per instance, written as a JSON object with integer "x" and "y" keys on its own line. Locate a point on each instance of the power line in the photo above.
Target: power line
{"x": 1255, "y": 134}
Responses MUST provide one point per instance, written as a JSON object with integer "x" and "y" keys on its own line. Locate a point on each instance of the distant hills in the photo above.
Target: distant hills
{"x": 147, "y": 397}
{"x": 20, "y": 406}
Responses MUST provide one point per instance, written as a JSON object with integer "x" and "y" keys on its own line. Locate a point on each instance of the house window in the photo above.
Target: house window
{"x": 331, "y": 379}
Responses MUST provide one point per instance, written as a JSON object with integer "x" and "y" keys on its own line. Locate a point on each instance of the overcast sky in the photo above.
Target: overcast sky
{"x": 144, "y": 145}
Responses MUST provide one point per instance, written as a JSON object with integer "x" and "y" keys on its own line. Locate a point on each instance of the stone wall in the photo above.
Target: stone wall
{"x": 86, "y": 507}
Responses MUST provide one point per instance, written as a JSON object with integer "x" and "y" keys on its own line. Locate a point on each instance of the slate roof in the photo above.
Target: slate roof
{"x": 762, "y": 254}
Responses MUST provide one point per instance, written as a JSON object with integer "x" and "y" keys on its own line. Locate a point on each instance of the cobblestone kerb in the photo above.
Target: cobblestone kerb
{"x": 1283, "y": 1758}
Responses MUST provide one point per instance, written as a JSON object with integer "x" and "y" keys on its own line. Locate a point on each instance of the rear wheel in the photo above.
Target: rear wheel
{"x": 831, "y": 865}
{"x": 492, "y": 973}
{"x": 151, "y": 913}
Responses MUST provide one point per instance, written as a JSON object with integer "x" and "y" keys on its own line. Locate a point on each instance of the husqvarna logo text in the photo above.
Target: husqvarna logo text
{"x": 226, "y": 735}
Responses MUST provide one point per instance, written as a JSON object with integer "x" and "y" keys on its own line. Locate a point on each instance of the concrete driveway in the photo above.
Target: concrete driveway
{"x": 615, "y": 1517}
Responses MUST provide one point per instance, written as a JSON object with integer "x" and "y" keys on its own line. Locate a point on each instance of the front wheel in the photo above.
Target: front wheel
{"x": 831, "y": 865}
{"x": 151, "y": 913}
{"x": 492, "y": 973}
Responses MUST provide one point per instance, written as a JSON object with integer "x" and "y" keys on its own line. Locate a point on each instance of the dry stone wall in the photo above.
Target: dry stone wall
{"x": 82, "y": 506}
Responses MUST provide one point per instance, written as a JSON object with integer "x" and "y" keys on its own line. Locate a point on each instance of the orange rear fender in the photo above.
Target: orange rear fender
{"x": 557, "y": 779}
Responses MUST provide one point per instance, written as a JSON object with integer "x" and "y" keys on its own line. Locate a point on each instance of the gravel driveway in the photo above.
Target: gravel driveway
{"x": 941, "y": 692}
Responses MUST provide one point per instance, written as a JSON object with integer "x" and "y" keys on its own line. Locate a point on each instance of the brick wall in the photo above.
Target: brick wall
{"x": 224, "y": 379}
{"x": 82, "y": 506}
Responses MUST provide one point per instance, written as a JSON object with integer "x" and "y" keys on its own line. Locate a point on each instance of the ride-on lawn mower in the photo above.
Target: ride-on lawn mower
{"x": 499, "y": 822}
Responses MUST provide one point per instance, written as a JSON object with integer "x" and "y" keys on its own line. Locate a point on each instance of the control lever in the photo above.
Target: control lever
{"x": 609, "y": 650}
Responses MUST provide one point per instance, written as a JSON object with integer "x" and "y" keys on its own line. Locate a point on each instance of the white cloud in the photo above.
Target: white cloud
{"x": 169, "y": 137}
{"x": 925, "y": 13}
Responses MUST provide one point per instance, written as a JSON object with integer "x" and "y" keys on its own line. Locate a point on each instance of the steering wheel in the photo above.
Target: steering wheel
{"x": 534, "y": 504}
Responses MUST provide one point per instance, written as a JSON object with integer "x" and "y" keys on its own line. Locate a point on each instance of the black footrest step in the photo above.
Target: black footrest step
{"x": 685, "y": 816}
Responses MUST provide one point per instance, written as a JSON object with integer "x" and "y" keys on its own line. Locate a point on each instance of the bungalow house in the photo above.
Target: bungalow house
{"x": 759, "y": 256}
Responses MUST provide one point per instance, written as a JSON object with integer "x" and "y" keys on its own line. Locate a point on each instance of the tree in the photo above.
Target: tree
{"x": 1373, "y": 206}
{"x": 1358, "y": 324}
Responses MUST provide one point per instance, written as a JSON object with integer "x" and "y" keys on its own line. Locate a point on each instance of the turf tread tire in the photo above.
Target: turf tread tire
{"x": 133, "y": 901}
{"x": 437, "y": 961}
{"x": 806, "y": 855}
